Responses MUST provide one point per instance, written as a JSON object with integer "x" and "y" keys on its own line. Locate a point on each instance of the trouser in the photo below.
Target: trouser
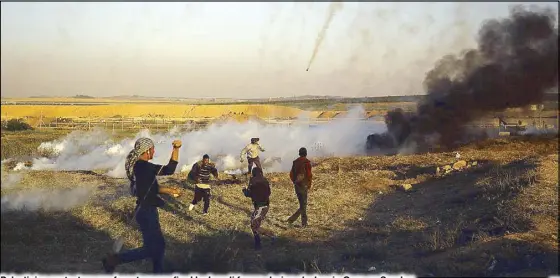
{"x": 202, "y": 193}
{"x": 258, "y": 215}
{"x": 301, "y": 193}
{"x": 153, "y": 242}
{"x": 255, "y": 160}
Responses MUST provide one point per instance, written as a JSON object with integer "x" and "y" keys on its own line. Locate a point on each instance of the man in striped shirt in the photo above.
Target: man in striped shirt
{"x": 199, "y": 176}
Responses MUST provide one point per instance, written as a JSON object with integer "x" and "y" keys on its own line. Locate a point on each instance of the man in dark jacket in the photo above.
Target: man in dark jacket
{"x": 302, "y": 177}
{"x": 200, "y": 178}
{"x": 146, "y": 188}
{"x": 259, "y": 192}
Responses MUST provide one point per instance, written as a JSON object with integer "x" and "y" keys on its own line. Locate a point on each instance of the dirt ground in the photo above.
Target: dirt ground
{"x": 496, "y": 218}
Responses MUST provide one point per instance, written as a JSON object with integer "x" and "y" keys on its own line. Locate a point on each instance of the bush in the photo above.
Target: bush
{"x": 17, "y": 125}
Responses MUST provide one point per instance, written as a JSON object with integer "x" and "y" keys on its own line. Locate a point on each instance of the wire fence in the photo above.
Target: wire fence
{"x": 190, "y": 124}
{"x": 157, "y": 123}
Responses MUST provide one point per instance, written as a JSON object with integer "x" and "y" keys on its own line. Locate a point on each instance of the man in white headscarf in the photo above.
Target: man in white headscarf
{"x": 142, "y": 175}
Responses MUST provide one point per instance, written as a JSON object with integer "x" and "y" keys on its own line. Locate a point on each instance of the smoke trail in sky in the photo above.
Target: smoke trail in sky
{"x": 334, "y": 7}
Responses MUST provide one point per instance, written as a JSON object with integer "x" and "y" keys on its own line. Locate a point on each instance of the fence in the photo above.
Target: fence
{"x": 189, "y": 124}
{"x": 121, "y": 124}
{"x": 154, "y": 124}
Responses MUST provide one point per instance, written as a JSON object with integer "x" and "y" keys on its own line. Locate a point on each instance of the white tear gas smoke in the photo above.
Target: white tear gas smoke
{"x": 46, "y": 200}
{"x": 20, "y": 166}
{"x": 334, "y": 7}
{"x": 539, "y": 131}
{"x": 223, "y": 142}
{"x": 9, "y": 180}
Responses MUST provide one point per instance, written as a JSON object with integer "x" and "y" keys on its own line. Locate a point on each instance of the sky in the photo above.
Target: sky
{"x": 231, "y": 50}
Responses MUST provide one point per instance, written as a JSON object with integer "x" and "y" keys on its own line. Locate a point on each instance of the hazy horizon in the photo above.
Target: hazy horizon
{"x": 231, "y": 50}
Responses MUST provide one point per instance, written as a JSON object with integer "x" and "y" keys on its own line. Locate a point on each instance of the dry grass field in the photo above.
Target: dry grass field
{"x": 148, "y": 110}
{"x": 107, "y": 112}
{"x": 497, "y": 218}
{"x": 33, "y": 114}
{"x": 51, "y": 108}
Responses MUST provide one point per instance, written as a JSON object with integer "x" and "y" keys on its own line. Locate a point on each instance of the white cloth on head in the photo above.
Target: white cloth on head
{"x": 141, "y": 146}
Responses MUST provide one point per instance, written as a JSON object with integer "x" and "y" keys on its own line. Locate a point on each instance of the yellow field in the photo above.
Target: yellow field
{"x": 149, "y": 110}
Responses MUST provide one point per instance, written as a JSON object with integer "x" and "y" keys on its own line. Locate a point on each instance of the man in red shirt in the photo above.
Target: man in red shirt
{"x": 302, "y": 177}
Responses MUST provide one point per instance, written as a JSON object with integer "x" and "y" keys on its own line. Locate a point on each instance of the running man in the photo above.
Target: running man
{"x": 252, "y": 151}
{"x": 302, "y": 177}
{"x": 142, "y": 175}
{"x": 259, "y": 192}
{"x": 200, "y": 178}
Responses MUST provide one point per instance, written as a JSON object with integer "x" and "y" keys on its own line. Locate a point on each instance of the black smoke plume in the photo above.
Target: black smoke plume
{"x": 515, "y": 63}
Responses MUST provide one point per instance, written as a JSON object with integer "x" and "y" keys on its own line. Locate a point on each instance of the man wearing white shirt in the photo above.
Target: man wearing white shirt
{"x": 252, "y": 151}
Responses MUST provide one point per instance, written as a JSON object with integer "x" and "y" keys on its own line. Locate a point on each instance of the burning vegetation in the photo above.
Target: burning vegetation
{"x": 515, "y": 63}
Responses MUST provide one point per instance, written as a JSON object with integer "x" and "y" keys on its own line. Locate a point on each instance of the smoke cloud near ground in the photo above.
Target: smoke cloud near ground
{"x": 515, "y": 63}
{"x": 223, "y": 142}
{"x": 46, "y": 200}
{"x": 541, "y": 131}
{"x": 9, "y": 180}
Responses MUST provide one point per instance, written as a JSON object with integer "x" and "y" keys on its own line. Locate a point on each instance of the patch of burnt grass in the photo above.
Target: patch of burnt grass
{"x": 367, "y": 250}
{"x": 501, "y": 187}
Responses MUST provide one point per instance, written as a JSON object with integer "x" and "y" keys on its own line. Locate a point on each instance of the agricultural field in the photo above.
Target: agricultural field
{"x": 59, "y": 112}
{"x": 72, "y": 112}
{"x": 146, "y": 110}
{"x": 491, "y": 212}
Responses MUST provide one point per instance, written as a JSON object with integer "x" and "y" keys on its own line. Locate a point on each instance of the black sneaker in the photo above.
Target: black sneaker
{"x": 108, "y": 268}
{"x": 257, "y": 242}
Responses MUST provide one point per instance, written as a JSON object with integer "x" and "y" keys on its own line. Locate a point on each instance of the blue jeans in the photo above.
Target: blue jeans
{"x": 154, "y": 244}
